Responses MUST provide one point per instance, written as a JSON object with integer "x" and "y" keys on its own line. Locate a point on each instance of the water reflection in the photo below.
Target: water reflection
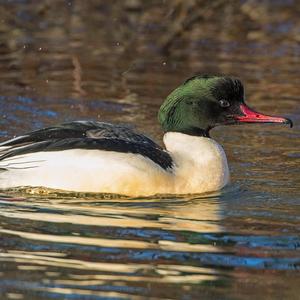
{"x": 89, "y": 245}
{"x": 72, "y": 60}
{"x": 107, "y": 246}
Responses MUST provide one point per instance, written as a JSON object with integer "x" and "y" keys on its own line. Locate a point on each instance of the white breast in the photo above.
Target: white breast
{"x": 201, "y": 163}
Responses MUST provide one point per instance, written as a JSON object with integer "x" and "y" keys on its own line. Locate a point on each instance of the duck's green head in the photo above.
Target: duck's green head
{"x": 203, "y": 102}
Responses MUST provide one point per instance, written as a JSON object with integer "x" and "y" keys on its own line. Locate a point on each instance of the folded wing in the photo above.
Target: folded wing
{"x": 84, "y": 135}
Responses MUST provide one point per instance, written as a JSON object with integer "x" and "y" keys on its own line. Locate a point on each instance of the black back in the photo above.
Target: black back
{"x": 87, "y": 135}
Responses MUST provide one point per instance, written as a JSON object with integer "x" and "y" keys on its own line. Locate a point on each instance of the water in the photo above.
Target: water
{"x": 71, "y": 60}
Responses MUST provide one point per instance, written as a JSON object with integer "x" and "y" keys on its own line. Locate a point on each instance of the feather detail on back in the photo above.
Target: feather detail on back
{"x": 85, "y": 135}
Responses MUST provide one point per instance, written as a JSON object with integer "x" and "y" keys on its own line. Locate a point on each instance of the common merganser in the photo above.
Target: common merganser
{"x": 87, "y": 156}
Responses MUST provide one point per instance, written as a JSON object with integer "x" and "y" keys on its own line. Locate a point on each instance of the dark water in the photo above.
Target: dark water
{"x": 62, "y": 61}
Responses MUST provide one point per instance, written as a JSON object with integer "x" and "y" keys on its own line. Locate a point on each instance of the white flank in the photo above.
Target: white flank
{"x": 200, "y": 166}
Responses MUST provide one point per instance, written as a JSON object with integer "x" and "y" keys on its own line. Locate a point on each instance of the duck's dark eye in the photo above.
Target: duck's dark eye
{"x": 224, "y": 103}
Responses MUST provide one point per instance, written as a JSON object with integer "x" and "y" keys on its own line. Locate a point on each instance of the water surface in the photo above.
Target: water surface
{"x": 72, "y": 61}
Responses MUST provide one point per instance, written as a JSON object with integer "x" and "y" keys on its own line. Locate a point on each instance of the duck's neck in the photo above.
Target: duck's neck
{"x": 200, "y": 163}
{"x": 195, "y": 132}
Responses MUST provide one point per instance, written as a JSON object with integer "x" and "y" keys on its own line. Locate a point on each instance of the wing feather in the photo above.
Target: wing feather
{"x": 85, "y": 135}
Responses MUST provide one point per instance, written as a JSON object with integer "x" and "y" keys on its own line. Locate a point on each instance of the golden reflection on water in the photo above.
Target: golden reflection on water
{"x": 202, "y": 213}
{"x": 197, "y": 215}
{"x": 86, "y": 293}
{"x": 162, "y": 245}
{"x": 167, "y": 273}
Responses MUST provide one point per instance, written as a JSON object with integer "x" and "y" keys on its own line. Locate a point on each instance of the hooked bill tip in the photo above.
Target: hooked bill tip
{"x": 288, "y": 122}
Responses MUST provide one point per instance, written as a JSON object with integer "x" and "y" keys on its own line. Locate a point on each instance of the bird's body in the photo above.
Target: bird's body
{"x": 190, "y": 164}
{"x": 101, "y": 157}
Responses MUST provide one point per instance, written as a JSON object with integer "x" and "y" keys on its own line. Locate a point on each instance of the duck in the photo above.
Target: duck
{"x": 94, "y": 156}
